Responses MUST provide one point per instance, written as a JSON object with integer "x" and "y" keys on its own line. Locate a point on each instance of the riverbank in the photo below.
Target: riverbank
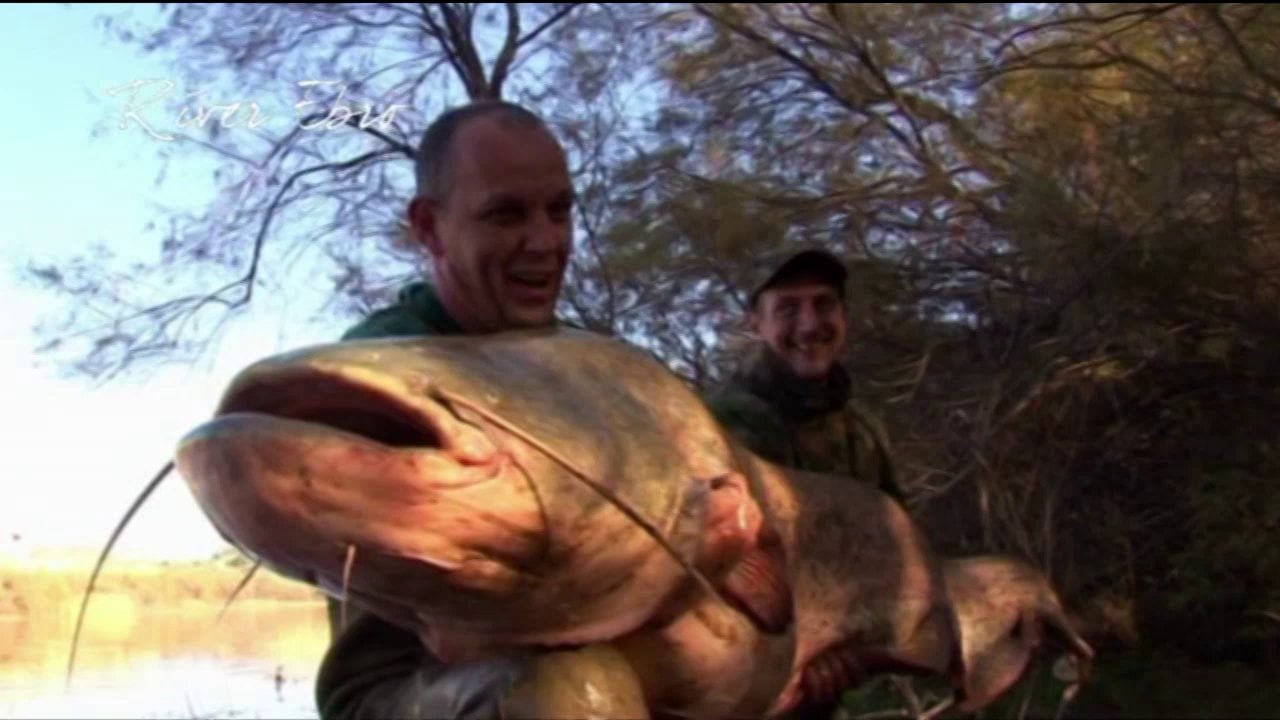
{"x": 179, "y": 660}
{"x": 34, "y": 590}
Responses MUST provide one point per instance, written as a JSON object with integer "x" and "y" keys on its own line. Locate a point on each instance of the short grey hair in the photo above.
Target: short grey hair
{"x": 433, "y": 161}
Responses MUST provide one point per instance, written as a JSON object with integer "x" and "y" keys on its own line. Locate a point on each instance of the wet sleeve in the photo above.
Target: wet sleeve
{"x": 890, "y": 482}
{"x": 877, "y": 456}
{"x": 376, "y": 670}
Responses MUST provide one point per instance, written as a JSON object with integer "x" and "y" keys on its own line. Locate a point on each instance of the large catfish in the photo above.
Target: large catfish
{"x": 562, "y": 491}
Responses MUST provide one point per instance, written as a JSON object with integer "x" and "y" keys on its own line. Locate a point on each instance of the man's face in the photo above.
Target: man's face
{"x": 501, "y": 237}
{"x": 802, "y": 319}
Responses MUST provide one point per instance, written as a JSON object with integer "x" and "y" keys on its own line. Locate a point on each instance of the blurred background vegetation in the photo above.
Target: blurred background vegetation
{"x": 1061, "y": 222}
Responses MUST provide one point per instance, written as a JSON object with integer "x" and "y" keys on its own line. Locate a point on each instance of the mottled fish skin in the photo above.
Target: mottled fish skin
{"x": 560, "y": 491}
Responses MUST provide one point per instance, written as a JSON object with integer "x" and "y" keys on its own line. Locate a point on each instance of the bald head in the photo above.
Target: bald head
{"x": 493, "y": 210}
{"x": 435, "y": 154}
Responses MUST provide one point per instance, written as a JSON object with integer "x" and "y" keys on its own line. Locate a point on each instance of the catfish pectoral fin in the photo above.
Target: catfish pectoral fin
{"x": 758, "y": 586}
{"x": 592, "y": 682}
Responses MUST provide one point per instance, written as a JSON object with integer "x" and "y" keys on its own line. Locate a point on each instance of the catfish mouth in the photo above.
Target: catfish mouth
{"x": 339, "y": 404}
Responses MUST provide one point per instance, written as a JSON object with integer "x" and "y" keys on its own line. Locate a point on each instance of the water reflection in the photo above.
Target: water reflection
{"x": 258, "y": 661}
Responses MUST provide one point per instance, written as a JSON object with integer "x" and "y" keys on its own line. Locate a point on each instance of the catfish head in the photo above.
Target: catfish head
{"x": 543, "y": 487}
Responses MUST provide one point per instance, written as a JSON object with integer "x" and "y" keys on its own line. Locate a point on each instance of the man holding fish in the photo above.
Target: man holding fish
{"x": 493, "y": 211}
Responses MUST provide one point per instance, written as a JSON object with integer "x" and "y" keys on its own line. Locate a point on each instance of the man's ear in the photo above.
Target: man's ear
{"x": 422, "y": 224}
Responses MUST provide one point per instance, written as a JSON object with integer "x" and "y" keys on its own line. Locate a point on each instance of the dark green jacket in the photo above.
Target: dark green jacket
{"x": 417, "y": 311}
{"x": 374, "y": 669}
{"x": 810, "y": 426}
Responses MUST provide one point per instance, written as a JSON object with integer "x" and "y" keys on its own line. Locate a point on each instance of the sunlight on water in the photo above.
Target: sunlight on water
{"x": 260, "y": 661}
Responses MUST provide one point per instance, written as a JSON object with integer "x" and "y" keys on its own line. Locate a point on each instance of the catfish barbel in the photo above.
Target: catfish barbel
{"x": 560, "y": 491}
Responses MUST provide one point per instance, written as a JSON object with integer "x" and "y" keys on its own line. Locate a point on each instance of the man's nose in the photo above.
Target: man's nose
{"x": 808, "y": 319}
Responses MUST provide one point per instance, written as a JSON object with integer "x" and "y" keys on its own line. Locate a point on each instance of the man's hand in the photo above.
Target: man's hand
{"x": 593, "y": 682}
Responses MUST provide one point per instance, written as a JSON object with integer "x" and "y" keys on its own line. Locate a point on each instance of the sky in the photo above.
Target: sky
{"x": 75, "y": 455}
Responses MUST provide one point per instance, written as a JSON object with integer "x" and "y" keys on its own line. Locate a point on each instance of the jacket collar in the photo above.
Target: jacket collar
{"x": 426, "y": 304}
{"x": 768, "y": 377}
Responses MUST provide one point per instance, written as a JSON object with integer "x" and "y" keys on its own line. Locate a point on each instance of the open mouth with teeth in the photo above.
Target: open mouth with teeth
{"x": 809, "y": 346}
{"x": 532, "y": 279}
{"x": 532, "y": 286}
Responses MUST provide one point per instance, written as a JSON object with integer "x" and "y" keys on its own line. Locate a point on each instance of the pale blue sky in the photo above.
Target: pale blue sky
{"x": 75, "y": 456}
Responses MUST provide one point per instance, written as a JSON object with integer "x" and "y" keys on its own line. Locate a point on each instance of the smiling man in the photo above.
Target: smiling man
{"x": 791, "y": 402}
{"x": 492, "y": 213}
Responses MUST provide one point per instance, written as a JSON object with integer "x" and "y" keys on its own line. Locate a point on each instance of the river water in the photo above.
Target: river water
{"x": 258, "y": 661}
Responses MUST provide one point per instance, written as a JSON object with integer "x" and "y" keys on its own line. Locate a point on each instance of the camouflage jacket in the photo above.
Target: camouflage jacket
{"x": 809, "y": 426}
{"x": 372, "y": 668}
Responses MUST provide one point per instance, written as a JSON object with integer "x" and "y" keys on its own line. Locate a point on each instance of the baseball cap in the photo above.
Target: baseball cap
{"x": 816, "y": 260}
